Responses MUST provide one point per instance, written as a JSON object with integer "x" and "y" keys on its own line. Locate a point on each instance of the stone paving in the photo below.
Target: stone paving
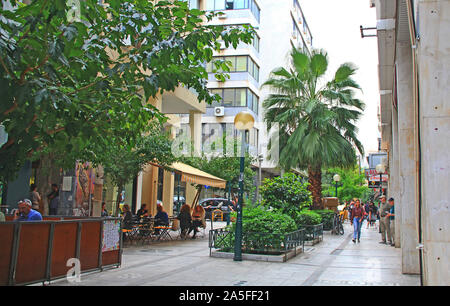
{"x": 336, "y": 261}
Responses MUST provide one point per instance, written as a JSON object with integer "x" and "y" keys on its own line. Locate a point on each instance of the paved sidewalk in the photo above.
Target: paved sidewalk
{"x": 336, "y": 261}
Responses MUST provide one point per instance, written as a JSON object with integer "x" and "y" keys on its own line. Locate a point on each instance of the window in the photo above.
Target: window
{"x": 219, "y": 5}
{"x": 255, "y": 42}
{"x": 237, "y": 97}
{"x": 228, "y": 97}
{"x": 240, "y": 97}
{"x": 241, "y": 63}
{"x": 238, "y": 64}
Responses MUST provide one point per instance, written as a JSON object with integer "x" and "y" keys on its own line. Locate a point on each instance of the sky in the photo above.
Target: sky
{"x": 335, "y": 28}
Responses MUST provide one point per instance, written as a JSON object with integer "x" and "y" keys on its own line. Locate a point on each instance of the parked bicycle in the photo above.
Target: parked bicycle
{"x": 338, "y": 227}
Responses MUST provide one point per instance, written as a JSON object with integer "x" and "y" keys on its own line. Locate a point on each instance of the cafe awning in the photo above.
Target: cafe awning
{"x": 193, "y": 175}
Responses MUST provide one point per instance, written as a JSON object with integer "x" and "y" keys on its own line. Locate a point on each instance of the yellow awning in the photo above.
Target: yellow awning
{"x": 192, "y": 175}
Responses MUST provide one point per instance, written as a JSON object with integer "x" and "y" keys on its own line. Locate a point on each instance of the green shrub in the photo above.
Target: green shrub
{"x": 307, "y": 217}
{"x": 263, "y": 230}
{"x": 288, "y": 194}
{"x": 258, "y": 219}
{"x": 327, "y": 218}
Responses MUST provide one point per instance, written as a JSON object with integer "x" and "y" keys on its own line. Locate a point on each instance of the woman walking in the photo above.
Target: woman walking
{"x": 357, "y": 218}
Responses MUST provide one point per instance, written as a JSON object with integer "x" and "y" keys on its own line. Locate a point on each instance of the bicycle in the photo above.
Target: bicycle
{"x": 338, "y": 227}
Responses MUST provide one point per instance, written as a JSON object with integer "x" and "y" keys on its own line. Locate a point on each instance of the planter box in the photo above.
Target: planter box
{"x": 260, "y": 257}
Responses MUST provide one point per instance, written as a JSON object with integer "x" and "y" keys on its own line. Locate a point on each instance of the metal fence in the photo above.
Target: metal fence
{"x": 257, "y": 243}
{"x": 313, "y": 233}
{"x": 38, "y": 251}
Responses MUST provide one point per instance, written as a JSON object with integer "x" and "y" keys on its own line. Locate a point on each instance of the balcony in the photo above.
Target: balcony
{"x": 181, "y": 101}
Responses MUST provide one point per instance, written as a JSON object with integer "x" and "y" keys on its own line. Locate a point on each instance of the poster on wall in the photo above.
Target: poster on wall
{"x": 111, "y": 235}
{"x": 84, "y": 188}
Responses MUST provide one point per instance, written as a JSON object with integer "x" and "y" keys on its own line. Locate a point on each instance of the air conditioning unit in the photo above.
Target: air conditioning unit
{"x": 219, "y": 111}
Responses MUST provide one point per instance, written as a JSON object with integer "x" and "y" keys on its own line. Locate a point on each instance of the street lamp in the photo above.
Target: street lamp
{"x": 243, "y": 121}
{"x": 380, "y": 170}
{"x": 336, "y": 179}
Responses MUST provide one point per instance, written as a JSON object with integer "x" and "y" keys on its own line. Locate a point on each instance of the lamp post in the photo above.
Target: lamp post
{"x": 243, "y": 121}
{"x": 336, "y": 179}
{"x": 380, "y": 170}
{"x": 260, "y": 160}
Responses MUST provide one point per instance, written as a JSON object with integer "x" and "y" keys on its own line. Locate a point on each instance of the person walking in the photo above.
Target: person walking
{"x": 373, "y": 213}
{"x": 350, "y": 217}
{"x": 391, "y": 216}
{"x": 357, "y": 219}
{"x": 384, "y": 221}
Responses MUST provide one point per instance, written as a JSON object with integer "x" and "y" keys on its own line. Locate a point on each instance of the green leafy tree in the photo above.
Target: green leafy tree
{"x": 70, "y": 80}
{"x": 223, "y": 164}
{"x": 289, "y": 194}
{"x": 352, "y": 183}
{"x": 123, "y": 163}
{"x": 316, "y": 118}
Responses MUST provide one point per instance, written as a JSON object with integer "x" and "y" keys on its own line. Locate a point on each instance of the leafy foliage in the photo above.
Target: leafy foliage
{"x": 307, "y": 217}
{"x": 263, "y": 230}
{"x": 224, "y": 166}
{"x": 327, "y": 218}
{"x": 351, "y": 185}
{"x": 289, "y": 194}
{"x": 68, "y": 83}
{"x": 317, "y": 122}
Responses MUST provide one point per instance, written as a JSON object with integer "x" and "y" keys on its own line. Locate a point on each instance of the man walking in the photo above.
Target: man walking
{"x": 391, "y": 216}
{"x": 384, "y": 220}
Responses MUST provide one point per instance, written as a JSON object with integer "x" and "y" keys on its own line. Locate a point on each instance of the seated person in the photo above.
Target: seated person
{"x": 127, "y": 218}
{"x": 142, "y": 212}
{"x": 104, "y": 210}
{"x": 161, "y": 217}
{"x": 26, "y": 213}
{"x": 185, "y": 219}
{"x": 198, "y": 219}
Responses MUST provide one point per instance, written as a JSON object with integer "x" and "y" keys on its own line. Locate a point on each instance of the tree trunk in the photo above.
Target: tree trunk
{"x": 119, "y": 197}
{"x": 47, "y": 174}
{"x": 315, "y": 181}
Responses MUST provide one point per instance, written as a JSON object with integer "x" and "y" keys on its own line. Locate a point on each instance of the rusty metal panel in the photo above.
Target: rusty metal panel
{"x": 32, "y": 253}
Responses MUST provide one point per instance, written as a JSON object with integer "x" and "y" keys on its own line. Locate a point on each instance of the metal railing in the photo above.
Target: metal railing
{"x": 313, "y": 233}
{"x": 257, "y": 243}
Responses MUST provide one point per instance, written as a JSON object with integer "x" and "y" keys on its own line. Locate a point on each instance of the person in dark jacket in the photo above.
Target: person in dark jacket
{"x": 127, "y": 217}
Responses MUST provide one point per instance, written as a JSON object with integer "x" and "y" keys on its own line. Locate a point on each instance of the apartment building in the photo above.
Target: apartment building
{"x": 279, "y": 25}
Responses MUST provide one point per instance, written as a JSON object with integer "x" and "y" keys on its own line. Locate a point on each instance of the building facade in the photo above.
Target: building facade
{"x": 414, "y": 64}
{"x": 280, "y": 25}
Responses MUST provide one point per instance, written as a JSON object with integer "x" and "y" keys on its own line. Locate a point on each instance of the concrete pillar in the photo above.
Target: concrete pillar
{"x": 139, "y": 191}
{"x": 394, "y": 178}
{"x": 407, "y": 158}
{"x": 195, "y": 124}
{"x": 433, "y": 59}
{"x": 168, "y": 190}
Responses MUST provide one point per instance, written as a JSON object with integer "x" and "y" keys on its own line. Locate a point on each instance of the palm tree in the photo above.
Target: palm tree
{"x": 316, "y": 118}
